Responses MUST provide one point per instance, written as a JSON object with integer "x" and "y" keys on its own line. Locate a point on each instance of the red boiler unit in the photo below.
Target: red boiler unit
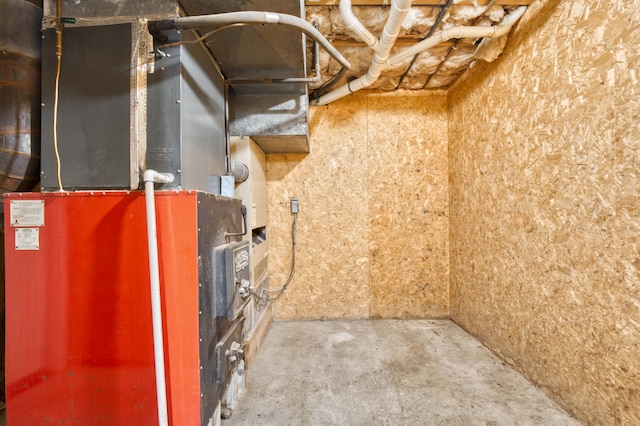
{"x": 79, "y": 344}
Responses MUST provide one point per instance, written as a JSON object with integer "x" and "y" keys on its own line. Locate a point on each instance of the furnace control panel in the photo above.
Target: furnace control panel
{"x": 232, "y": 277}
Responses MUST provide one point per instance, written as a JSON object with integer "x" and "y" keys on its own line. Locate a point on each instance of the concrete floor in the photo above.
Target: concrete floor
{"x": 385, "y": 372}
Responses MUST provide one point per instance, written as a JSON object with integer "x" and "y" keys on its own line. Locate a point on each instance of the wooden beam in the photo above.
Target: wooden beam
{"x": 415, "y": 3}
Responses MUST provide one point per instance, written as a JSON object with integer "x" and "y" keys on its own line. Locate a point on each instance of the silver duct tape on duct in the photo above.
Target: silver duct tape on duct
{"x": 20, "y": 56}
{"x": 239, "y": 171}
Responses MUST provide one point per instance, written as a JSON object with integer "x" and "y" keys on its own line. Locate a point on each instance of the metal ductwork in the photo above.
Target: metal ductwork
{"x": 264, "y": 66}
{"x": 20, "y": 53}
{"x": 253, "y": 58}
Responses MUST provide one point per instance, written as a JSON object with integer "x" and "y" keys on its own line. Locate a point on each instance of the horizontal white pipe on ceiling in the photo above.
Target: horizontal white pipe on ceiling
{"x": 399, "y": 10}
{"x": 441, "y": 36}
{"x": 459, "y": 32}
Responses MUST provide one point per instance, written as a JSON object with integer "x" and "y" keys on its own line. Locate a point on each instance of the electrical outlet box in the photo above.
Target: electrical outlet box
{"x": 294, "y": 206}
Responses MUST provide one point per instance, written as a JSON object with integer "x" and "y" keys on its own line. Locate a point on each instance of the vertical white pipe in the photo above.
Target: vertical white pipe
{"x": 354, "y": 25}
{"x": 399, "y": 10}
{"x": 150, "y": 177}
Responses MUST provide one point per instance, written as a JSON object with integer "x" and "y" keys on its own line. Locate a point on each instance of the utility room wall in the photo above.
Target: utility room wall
{"x": 545, "y": 209}
{"x": 372, "y": 232}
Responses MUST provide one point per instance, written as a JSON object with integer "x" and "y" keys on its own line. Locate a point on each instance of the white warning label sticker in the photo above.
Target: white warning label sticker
{"x": 27, "y": 239}
{"x": 27, "y": 212}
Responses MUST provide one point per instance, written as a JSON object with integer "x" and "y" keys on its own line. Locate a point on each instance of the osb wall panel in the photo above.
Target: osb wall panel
{"x": 408, "y": 206}
{"x": 372, "y": 228}
{"x": 544, "y": 198}
{"x": 332, "y": 271}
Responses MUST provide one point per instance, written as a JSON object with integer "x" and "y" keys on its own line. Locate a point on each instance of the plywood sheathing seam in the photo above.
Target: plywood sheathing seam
{"x": 332, "y": 271}
{"x": 372, "y": 228}
{"x": 545, "y": 205}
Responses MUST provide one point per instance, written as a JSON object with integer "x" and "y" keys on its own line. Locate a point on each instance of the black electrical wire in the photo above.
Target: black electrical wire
{"x": 328, "y": 85}
{"x": 431, "y": 31}
{"x": 453, "y": 48}
{"x": 265, "y": 298}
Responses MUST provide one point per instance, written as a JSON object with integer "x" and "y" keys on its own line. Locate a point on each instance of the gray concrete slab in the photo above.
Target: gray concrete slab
{"x": 385, "y": 372}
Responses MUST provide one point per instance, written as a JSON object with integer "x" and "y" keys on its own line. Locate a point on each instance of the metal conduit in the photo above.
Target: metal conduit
{"x": 252, "y": 17}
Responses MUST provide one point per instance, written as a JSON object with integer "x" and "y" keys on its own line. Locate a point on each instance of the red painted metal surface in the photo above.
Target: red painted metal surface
{"x": 79, "y": 337}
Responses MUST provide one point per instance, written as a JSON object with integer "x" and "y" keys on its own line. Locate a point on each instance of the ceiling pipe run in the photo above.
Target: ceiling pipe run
{"x": 460, "y": 32}
{"x": 248, "y": 18}
{"x": 356, "y": 27}
{"x": 399, "y": 10}
{"x": 439, "y": 37}
{"x": 456, "y": 43}
{"x": 443, "y": 11}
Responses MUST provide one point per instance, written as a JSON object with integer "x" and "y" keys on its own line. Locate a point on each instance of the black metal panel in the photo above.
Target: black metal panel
{"x": 217, "y": 216}
{"x": 225, "y": 365}
{"x": 186, "y": 116}
{"x": 230, "y": 268}
{"x": 203, "y": 115}
{"x": 93, "y": 111}
{"x": 185, "y": 113}
{"x": 163, "y": 113}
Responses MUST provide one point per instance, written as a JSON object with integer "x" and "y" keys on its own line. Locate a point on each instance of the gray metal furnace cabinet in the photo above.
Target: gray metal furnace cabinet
{"x": 113, "y": 123}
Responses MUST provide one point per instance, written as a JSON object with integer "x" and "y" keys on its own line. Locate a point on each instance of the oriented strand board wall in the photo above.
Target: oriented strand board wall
{"x": 544, "y": 158}
{"x": 373, "y": 225}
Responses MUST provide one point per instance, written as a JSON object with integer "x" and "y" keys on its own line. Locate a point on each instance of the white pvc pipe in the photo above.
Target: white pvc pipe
{"x": 151, "y": 177}
{"x": 441, "y": 36}
{"x": 459, "y": 32}
{"x": 355, "y": 26}
{"x": 399, "y": 10}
